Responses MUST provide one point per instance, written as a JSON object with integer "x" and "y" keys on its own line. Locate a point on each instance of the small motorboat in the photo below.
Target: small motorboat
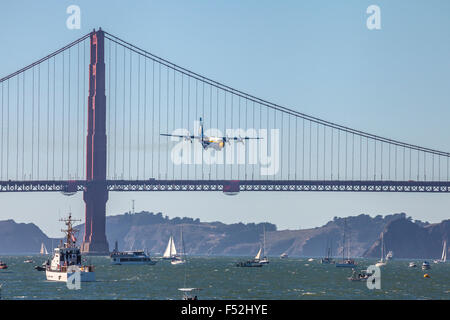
{"x": 189, "y": 293}
{"x": 3, "y": 265}
{"x": 28, "y": 261}
{"x": 284, "y": 256}
{"x": 412, "y": 265}
{"x": 40, "y": 268}
{"x": 361, "y": 276}
{"x": 249, "y": 264}
{"x": 310, "y": 259}
{"x": 426, "y": 265}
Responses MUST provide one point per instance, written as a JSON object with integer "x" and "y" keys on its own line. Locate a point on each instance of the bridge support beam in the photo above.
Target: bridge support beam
{"x": 96, "y": 193}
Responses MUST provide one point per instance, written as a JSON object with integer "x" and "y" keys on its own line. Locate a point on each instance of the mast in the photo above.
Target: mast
{"x": 70, "y": 231}
{"x": 382, "y": 246}
{"x": 264, "y": 240}
{"x": 331, "y": 248}
{"x": 182, "y": 242}
{"x": 349, "y": 244}
{"x": 444, "y": 252}
{"x": 343, "y": 241}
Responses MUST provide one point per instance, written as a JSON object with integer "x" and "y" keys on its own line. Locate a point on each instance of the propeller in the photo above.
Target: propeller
{"x": 240, "y": 139}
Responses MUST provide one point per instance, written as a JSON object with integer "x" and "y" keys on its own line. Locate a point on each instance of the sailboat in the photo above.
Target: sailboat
{"x": 328, "y": 259}
{"x": 444, "y": 253}
{"x": 382, "y": 262}
{"x": 389, "y": 255}
{"x": 252, "y": 263}
{"x": 178, "y": 259}
{"x": 346, "y": 263}
{"x": 170, "y": 252}
{"x": 264, "y": 259}
{"x": 188, "y": 293}
{"x": 43, "y": 249}
{"x": 258, "y": 256}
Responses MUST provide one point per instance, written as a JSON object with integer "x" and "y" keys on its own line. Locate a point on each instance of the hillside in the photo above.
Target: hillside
{"x": 146, "y": 230}
{"x": 150, "y": 231}
{"x": 410, "y": 240}
{"x": 21, "y": 238}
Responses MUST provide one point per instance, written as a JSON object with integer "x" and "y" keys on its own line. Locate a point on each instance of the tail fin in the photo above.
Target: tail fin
{"x": 201, "y": 127}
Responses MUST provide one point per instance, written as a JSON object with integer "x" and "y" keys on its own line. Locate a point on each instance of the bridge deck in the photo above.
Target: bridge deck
{"x": 218, "y": 185}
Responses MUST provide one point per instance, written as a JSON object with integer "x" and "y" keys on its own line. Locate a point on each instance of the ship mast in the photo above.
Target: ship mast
{"x": 70, "y": 231}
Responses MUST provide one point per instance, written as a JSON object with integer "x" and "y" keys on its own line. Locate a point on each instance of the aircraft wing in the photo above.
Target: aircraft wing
{"x": 180, "y": 136}
{"x": 239, "y": 138}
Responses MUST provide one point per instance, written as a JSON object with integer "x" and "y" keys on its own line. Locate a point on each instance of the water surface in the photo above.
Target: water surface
{"x": 292, "y": 278}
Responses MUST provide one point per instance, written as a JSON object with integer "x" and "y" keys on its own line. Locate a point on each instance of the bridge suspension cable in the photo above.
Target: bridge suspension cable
{"x": 43, "y": 128}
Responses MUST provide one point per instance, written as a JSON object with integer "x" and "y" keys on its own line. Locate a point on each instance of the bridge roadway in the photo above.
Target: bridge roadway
{"x": 71, "y": 186}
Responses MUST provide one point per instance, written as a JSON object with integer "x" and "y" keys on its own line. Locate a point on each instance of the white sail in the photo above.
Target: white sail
{"x": 170, "y": 250}
{"x": 444, "y": 252}
{"x": 258, "y": 255}
{"x": 43, "y": 249}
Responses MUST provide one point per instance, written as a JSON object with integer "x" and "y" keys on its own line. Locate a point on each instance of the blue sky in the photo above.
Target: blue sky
{"x": 317, "y": 57}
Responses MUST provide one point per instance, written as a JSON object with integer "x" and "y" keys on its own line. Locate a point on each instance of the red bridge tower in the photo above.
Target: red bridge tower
{"x": 96, "y": 193}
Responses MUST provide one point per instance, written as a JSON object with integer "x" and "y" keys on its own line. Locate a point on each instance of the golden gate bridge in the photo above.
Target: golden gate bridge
{"x": 48, "y": 142}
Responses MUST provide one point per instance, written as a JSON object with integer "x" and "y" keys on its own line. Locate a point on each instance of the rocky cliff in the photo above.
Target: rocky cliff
{"x": 411, "y": 240}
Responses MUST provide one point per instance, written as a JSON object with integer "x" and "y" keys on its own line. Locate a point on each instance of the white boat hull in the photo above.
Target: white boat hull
{"x": 133, "y": 262}
{"x": 63, "y": 276}
{"x": 175, "y": 262}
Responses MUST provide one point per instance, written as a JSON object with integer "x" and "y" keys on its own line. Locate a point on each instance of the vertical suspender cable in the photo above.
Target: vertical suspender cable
{"x": 84, "y": 95}
{"x": 62, "y": 121}
{"x": 123, "y": 113}
{"x": 7, "y": 133}
{"x": 23, "y": 125}
{"x": 17, "y": 129}
{"x": 78, "y": 110}
{"x": 167, "y": 122}
{"x": 48, "y": 117}
{"x": 68, "y": 123}
{"x": 159, "y": 121}
{"x": 54, "y": 120}
{"x": 130, "y": 114}
{"x": 145, "y": 114}
{"x": 153, "y": 116}
{"x": 1, "y": 156}
{"x": 138, "y": 114}
{"x": 115, "y": 111}
{"x": 108, "y": 111}
{"x": 32, "y": 127}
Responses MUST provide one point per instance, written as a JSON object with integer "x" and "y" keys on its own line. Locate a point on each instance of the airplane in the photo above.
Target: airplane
{"x": 216, "y": 143}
